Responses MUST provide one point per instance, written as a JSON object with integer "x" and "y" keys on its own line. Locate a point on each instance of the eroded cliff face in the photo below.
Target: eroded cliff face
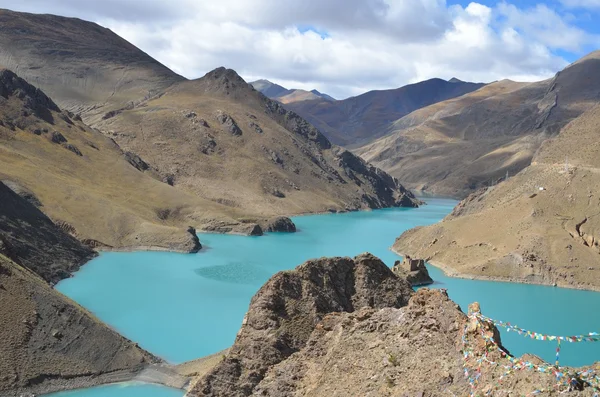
{"x": 343, "y": 327}
{"x": 31, "y": 239}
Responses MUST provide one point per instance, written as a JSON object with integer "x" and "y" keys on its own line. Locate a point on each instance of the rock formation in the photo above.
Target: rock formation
{"x": 414, "y": 270}
{"x": 284, "y": 312}
{"x": 31, "y": 239}
{"x": 342, "y": 327}
{"x": 279, "y": 224}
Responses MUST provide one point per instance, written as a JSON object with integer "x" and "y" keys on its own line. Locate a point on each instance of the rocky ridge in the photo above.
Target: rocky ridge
{"x": 366, "y": 117}
{"x": 72, "y": 173}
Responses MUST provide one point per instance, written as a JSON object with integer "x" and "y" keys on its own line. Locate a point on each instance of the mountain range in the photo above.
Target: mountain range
{"x": 155, "y": 151}
{"x": 284, "y": 95}
{"x": 363, "y": 118}
{"x": 454, "y": 147}
{"x": 104, "y": 148}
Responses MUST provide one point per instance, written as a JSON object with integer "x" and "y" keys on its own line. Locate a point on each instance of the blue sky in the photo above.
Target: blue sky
{"x": 585, "y": 18}
{"x": 347, "y": 47}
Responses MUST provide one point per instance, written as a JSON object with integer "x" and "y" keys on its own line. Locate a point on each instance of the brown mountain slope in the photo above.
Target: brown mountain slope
{"x": 222, "y": 145}
{"x": 299, "y": 96}
{"x": 454, "y": 147}
{"x": 283, "y": 95}
{"x": 48, "y": 342}
{"x": 364, "y": 118}
{"x": 85, "y": 67}
{"x": 540, "y": 226}
{"x": 222, "y": 140}
{"x": 85, "y": 182}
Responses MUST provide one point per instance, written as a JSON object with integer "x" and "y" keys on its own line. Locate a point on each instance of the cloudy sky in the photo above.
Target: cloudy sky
{"x": 346, "y": 47}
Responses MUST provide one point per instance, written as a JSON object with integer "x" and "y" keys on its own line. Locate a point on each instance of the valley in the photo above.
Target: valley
{"x": 171, "y": 226}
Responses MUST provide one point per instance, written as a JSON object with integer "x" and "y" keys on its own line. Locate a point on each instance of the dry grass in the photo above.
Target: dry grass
{"x": 518, "y": 232}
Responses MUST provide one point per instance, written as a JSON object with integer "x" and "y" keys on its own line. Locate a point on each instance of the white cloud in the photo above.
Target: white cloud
{"x": 361, "y": 44}
{"x": 581, "y": 3}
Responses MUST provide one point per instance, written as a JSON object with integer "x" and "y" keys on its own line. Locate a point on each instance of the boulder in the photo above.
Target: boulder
{"x": 279, "y": 224}
{"x": 414, "y": 270}
{"x": 229, "y": 123}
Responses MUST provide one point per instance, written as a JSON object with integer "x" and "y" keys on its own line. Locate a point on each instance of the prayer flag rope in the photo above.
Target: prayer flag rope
{"x": 591, "y": 337}
{"x": 561, "y": 374}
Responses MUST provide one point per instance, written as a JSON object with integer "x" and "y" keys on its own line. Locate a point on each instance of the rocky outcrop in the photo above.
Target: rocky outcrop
{"x": 33, "y": 98}
{"x": 36, "y": 242}
{"x": 285, "y": 311}
{"x": 246, "y": 229}
{"x": 136, "y": 161}
{"x": 279, "y": 224}
{"x": 342, "y": 327}
{"x": 194, "y": 245}
{"x": 414, "y": 270}
{"x": 229, "y": 124}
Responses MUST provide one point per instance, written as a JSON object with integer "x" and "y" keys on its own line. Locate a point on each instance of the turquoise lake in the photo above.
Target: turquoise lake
{"x": 182, "y": 307}
{"x": 122, "y": 390}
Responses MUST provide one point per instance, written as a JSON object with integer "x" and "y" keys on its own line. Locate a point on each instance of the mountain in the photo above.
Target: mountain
{"x": 454, "y": 147}
{"x": 86, "y": 67}
{"x": 539, "y": 226}
{"x": 48, "y": 342}
{"x": 269, "y": 89}
{"x": 85, "y": 182}
{"x": 364, "y": 118}
{"x": 162, "y": 153}
{"x": 284, "y": 95}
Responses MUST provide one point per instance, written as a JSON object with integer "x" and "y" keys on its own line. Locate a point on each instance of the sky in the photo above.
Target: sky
{"x": 347, "y": 47}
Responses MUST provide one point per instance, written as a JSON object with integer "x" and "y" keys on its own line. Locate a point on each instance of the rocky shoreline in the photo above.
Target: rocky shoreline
{"x": 451, "y": 272}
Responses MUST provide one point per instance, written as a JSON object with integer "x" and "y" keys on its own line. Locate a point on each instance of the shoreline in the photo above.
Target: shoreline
{"x": 451, "y": 272}
{"x": 175, "y": 376}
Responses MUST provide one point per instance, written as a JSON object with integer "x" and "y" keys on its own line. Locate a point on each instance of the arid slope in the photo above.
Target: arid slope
{"x": 85, "y": 182}
{"x": 220, "y": 139}
{"x": 540, "y": 226}
{"x": 455, "y": 147}
{"x": 48, "y": 342}
{"x": 86, "y": 68}
{"x": 230, "y": 153}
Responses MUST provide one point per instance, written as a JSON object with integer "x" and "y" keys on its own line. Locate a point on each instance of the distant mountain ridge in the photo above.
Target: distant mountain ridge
{"x": 284, "y": 95}
{"x": 454, "y": 147}
{"x": 364, "y": 118}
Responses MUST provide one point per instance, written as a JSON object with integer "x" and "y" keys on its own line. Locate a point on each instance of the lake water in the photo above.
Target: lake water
{"x": 122, "y": 390}
{"x": 182, "y": 307}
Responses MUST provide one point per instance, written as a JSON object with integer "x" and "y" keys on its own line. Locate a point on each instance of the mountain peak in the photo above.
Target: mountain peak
{"x": 455, "y": 80}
